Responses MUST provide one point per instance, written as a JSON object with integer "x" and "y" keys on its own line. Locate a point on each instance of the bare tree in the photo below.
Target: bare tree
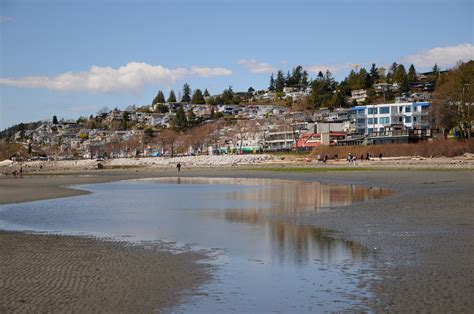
{"x": 199, "y": 136}
{"x": 453, "y": 99}
{"x": 168, "y": 139}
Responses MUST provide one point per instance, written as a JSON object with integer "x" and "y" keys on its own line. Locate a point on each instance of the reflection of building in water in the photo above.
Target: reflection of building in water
{"x": 293, "y": 197}
{"x": 289, "y": 199}
{"x": 298, "y": 243}
{"x": 272, "y": 199}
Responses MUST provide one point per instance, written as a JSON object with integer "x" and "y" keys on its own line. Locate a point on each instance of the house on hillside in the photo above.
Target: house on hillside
{"x": 359, "y": 95}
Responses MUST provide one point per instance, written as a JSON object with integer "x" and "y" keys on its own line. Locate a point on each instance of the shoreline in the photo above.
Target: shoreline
{"x": 422, "y": 233}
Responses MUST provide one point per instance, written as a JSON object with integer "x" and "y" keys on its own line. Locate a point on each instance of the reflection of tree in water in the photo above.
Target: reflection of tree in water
{"x": 299, "y": 243}
{"x": 274, "y": 200}
{"x": 290, "y": 199}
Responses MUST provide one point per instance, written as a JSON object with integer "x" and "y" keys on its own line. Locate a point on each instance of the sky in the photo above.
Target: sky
{"x": 72, "y": 58}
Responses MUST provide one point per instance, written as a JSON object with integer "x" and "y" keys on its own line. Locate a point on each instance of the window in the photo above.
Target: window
{"x": 385, "y": 120}
{"x": 407, "y": 119}
{"x": 400, "y": 119}
{"x": 401, "y": 109}
{"x": 360, "y": 121}
{"x": 372, "y": 120}
{"x": 414, "y": 119}
{"x": 372, "y": 111}
{"x": 407, "y": 109}
{"x": 384, "y": 110}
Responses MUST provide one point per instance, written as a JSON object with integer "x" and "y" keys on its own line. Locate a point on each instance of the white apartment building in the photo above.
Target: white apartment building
{"x": 376, "y": 118}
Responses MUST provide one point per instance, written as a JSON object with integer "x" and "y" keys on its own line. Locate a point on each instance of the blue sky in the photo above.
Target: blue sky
{"x": 71, "y": 58}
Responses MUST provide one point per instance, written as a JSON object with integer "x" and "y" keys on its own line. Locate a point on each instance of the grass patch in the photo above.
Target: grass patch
{"x": 309, "y": 169}
{"x": 435, "y": 148}
{"x": 352, "y": 169}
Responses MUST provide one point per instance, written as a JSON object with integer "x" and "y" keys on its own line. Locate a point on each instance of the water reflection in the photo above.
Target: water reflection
{"x": 269, "y": 261}
{"x": 290, "y": 198}
{"x": 276, "y": 205}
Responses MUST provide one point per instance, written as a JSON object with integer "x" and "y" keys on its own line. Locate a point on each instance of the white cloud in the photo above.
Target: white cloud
{"x": 443, "y": 56}
{"x": 334, "y": 68}
{"x": 255, "y": 66}
{"x": 4, "y": 19}
{"x": 129, "y": 78}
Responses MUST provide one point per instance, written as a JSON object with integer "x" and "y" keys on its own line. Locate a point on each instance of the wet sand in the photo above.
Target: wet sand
{"x": 48, "y": 273}
{"x": 421, "y": 236}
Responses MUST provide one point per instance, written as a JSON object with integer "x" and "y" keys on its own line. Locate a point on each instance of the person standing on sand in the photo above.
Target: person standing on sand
{"x": 178, "y": 166}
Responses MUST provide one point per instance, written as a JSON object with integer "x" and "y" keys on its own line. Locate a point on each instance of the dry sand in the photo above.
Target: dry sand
{"x": 421, "y": 236}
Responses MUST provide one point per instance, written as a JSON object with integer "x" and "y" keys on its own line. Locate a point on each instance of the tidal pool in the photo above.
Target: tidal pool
{"x": 265, "y": 262}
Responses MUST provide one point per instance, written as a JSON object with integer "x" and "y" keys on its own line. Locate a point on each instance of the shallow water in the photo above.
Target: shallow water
{"x": 265, "y": 261}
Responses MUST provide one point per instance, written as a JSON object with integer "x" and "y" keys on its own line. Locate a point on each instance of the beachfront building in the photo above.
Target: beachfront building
{"x": 379, "y": 118}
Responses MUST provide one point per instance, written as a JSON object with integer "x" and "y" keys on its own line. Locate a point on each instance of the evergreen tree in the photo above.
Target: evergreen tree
{"x": 186, "y": 93}
{"x": 55, "y": 120}
{"x": 250, "y": 90}
{"x": 206, "y": 93}
{"x": 337, "y": 100}
{"x": 435, "y": 72}
{"x": 180, "y": 122}
{"x": 288, "y": 79}
{"x": 364, "y": 78}
{"x": 159, "y": 98}
{"x": 330, "y": 81}
{"x": 228, "y": 96}
{"x": 412, "y": 74}
{"x": 211, "y": 101}
{"x": 162, "y": 108}
{"x": 399, "y": 73}
{"x": 272, "y": 84}
{"x": 125, "y": 119}
{"x": 304, "y": 79}
{"x": 374, "y": 74}
{"x": 198, "y": 97}
{"x": 172, "y": 97}
{"x": 280, "y": 82}
{"x": 297, "y": 75}
{"x": 401, "y": 78}
{"x": 322, "y": 90}
{"x": 191, "y": 118}
{"x": 391, "y": 72}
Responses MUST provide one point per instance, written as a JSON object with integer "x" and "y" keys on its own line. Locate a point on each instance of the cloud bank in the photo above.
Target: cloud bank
{"x": 129, "y": 78}
{"x": 254, "y": 66}
{"x": 443, "y": 56}
{"x": 334, "y": 68}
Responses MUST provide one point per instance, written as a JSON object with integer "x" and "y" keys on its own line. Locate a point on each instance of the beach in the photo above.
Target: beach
{"x": 421, "y": 237}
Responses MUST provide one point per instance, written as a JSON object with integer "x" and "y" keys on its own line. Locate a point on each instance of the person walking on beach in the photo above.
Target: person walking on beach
{"x": 178, "y": 166}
